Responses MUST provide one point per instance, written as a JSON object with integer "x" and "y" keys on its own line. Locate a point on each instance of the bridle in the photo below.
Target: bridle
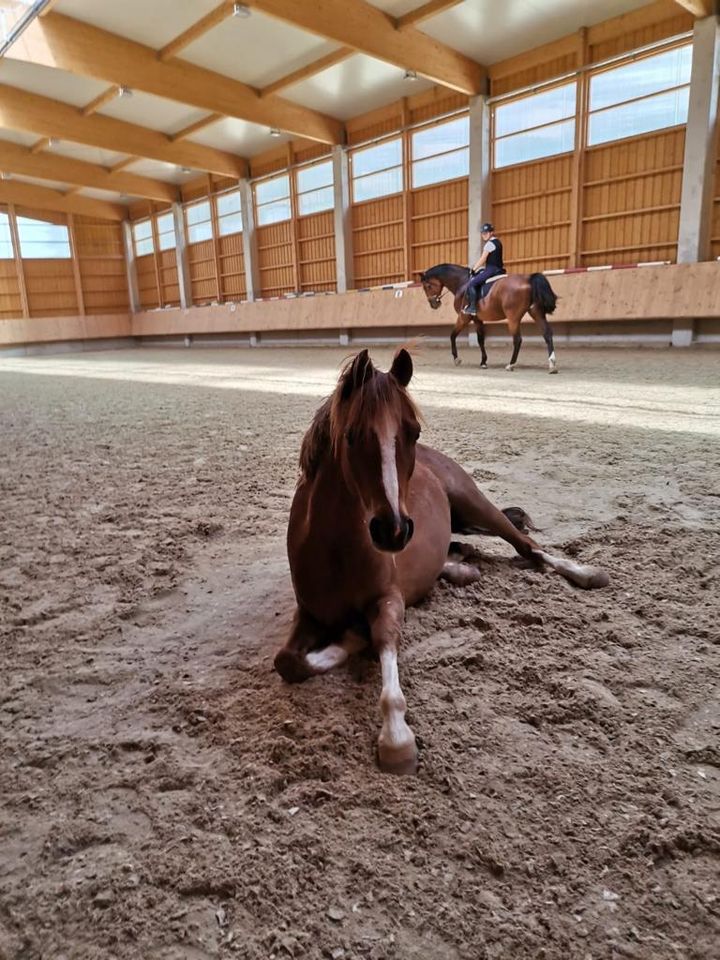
{"x": 437, "y": 298}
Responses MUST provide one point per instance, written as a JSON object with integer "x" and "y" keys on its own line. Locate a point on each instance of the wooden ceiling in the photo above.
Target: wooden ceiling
{"x": 180, "y": 87}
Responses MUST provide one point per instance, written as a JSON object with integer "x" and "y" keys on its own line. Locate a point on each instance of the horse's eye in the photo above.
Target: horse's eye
{"x": 414, "y": 433}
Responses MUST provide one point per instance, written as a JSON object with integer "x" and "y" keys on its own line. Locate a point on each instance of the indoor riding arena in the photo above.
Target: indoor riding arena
{"x": 504, "y": 738}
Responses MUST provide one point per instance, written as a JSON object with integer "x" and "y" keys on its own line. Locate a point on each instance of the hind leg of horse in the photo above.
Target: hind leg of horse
{"x": 460, "y": 324}
{"x": 470, "y": 510}
{"x": 541, "y": 320}
{"x": 481, "y": 343}
{"x": 514, "y": 327}
{"x": 397, "y": 751}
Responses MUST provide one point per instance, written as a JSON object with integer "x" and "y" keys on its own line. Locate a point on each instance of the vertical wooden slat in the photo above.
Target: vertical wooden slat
{"x": 76, "y": 265}
{"x": 214, "y": 229}
{"x": 577, "y": 195}
{"x": 407, "y": 191}
{"x": 156, "y": 255}
{"x": 294, "y": 221}
{"x": 24, "y": 302}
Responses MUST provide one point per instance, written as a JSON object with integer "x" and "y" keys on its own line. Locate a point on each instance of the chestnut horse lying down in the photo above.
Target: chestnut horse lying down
{"x": 369, "y": 534}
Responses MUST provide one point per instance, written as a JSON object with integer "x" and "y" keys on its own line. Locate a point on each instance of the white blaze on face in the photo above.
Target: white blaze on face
{"x": 387, "y": 440}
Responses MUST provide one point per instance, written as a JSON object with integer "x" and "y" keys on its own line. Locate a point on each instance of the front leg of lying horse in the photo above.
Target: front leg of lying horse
{"x": 397, "y": 751}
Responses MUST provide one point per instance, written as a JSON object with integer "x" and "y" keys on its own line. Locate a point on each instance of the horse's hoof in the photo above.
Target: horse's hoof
{"x": 457, "y": 361}
{"x": 401, "y": 761}
{"x": 483, "y": 366}
{"x": 291, "y": 666}
{"x": 510, "y": 367}
{"x": 553, "y": 370}
{"x": 597, "y": 578}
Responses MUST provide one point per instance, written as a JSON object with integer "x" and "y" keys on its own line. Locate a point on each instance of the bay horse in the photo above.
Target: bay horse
{"x": 370, "y": 531}
{"x": 511, "y": 296}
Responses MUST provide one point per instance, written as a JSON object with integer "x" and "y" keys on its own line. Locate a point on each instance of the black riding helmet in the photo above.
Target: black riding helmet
{"x": 487, "y": 228}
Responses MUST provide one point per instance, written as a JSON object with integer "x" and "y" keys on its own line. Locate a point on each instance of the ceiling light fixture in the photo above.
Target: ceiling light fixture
{"x": 185, "y": 170}
{"x": 410, "y": 75}
{"x": 275, "y": 133}
{"x": 124, "y": 92}
{"x": 51, "y": 141}
{"x": 240, "y": 10}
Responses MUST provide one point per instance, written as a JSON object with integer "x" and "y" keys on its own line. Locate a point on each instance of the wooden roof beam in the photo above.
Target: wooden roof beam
{"x": 55, "y": 166}
{"x": 81, "y": 48}
{"x": 195, "y": 31}
{"x": 309, "y": 70}
{"x": 107, "y": 96}
{"x": 30, "y": 195}
{"x": 22, "y": 110}
{"x": 427, "y": 10}
{"x": 699, "y": 8}
{"x": 196, "y": 127}
{"x": 365, "y": 28}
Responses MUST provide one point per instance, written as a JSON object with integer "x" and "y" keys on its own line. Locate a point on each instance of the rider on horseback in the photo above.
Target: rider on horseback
{"x": 489, "y": 265}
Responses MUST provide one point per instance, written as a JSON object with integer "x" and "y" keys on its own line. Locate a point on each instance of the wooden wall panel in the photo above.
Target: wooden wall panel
{"x": 201, "y": 263}
{"x": 378, "y": 241}
{"x": 631, "y": 199}
{"x": 715, "y": 230}
{"x": 316, "y": 249}
{"x": 50, "y": 287}
{"x": 439, "y": 225}
{"x": 101, "y": 258}
{"x": 167, "y": 271}
{"x": 147, "y": 282}
{"x": 10, "y": 300}
{"x": 531, "y": 213}
{"x": 276, "y": 259}
{"x": 232, "y": 267}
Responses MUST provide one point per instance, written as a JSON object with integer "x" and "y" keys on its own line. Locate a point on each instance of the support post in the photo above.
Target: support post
{"x": 479, "y": 193}
{"x": 76, "y": 266}
{"x": 250, "y": 251}
{"x": 343, "y": 227}
{"x": 20, "y": 271}
{"x": 133, "y": 293}
{"x": 181, "y": 258}
{"x": 696, "y": 206}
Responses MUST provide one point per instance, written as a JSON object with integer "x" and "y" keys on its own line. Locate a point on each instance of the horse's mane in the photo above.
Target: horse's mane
{"x": 360, "y": 396}
{"x": 441, "y": 268}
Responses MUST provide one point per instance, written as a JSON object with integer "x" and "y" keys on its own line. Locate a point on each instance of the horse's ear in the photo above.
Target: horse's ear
{"x": 402, "y": 367}
{"x": 422, "y": 278}
{"x": 359, "y": 371}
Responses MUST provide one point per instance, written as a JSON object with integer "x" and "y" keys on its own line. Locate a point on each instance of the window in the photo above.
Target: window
{"x": 199, "y": 221}
{"x": 272, "y": 199}
{"x": 6, "y": 247}
{"x": 441, "y": 152}
{"x": 229, "y": 213}
{"x": 377, "y": 171}
{"x": 142, "y": 238}
{"x": 165, "y": 226}
{"x": 40, "y": 240}
{"x": 540, "y": 125}
{"x": 315, "y": 188}
{"x": 641, "y": 96}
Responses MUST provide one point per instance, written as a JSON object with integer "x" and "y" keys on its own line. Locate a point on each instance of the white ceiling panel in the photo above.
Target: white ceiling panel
{"x": 161, "y": 171}
{"x": 151, "y": 111}
{"x": 256, "y": 49}
{"x": 19, "y": 136}
{"x": 78, "y": 151}
{"x": 50, "y": 184}
{"x": 152, "y": 22}
{"x": 238, "y": 136}
{"x": 49, "y": 82}
{"x": 488, "y": 33}
{"x": 354, "y": 86}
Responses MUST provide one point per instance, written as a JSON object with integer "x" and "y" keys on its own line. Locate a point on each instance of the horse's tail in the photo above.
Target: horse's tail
{"x": 542, "y": 293}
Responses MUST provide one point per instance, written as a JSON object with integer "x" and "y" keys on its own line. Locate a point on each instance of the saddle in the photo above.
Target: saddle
{"x": 487, "y": 286}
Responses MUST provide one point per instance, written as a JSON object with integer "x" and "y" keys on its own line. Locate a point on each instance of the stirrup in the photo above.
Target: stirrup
{"x": 469, "y": 311}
